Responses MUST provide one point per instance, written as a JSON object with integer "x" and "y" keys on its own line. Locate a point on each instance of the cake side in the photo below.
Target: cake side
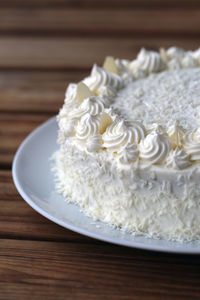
{"x": 127, "y": 199}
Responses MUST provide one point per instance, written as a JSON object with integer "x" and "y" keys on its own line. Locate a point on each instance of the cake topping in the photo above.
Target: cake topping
{"x": 138, "y": 130}
{"x": 110, "y": 65}
{"x": 94, "y": 105}
{"x": 188, "y": 62}
{"x": 196, "y": 55}
{"x": 162, "y": 98}
{"x": 87, "y": 126}
{"x": 175, "y": 133}
{"x": 100, "y": 77}
{"x": 117, "y": 135}
{"x": 154, "y": 148}
{"x": 175, "y": 52}
{"x": 94, "y": 143}
{"x": 128, "y": 154}
{"x": 96, "y": 110}
{"x": 77, "y": 93}
{"x": 120, "y": 134}
{"x": 191, "y": 144}
{"x": 107, "y": 91}
{"x": 177, "y": 159}
{"x": 123, "y": 69}
{"x": 147, "y": 61}
{"x": 105, "y": 121}
{"x": 178, "y": 58}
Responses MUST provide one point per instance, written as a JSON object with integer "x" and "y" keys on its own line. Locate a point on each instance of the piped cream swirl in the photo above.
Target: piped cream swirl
{"x": 138, "y": 130}
{"x": 94, "y": 143}
{"x": 93, "y": 105}
{"x": 177, "y": 58}
{"x": 154, "y": 148}
{"x": 191, "y": 144}
{"x": 100, "y": 77}
{"x": 128, "y": 154}
{"x": 119, "y": 134}
{"x": 148, "y": 62}
{"x": 177, "y": 159}
{"x": 87, "y": 126}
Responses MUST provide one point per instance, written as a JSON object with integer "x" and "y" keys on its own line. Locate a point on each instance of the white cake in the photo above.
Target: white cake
{"x": 129, "y": 138}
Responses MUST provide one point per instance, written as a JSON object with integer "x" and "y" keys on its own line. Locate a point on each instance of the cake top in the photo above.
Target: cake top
{"x": 163, "y": 98}
{"x": 140, "y": 113}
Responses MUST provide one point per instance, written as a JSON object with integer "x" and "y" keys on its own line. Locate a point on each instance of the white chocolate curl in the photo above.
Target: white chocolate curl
{"x": 110, "y": 65}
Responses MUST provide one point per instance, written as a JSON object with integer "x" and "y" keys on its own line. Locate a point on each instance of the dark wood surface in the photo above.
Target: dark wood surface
{"x": 44, "y": 45}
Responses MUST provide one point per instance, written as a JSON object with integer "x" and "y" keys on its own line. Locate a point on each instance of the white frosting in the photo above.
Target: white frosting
{"x": 128, "y": 154}
{"x": 162, "y": 98}
{"x": 87, "y": 126}
{"x": 178, "y": 58}
{"x": 189, "y": 62}
{"x": 107, "y": 90}
{"x": 175, "y": 52}
{"x": 178, "y": 159}
{"x": 94, "y": 143}
{"x": 196, "y": 55}
{"x": 191, "y": 144}
{"x": 158, "y": 206}
{"x": 154, "y": 148}
{"x": 175, "y": 133}
{"x": 76, "y": 93}
{"x": 148, "y": 62}
{"x": 67, "y": 126}
{"x": 117, "y": 135}
{"x": 120, "y": 134}
{"x": 94, "y": 105}
{"x": 100, "y": 77}
{"x": 174, "y": 64}
{"x": 130, "y": 148}
{"x": 123, "y": 69}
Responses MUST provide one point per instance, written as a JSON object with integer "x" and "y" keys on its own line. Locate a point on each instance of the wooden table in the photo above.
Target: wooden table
{"x": 44, "y": 45}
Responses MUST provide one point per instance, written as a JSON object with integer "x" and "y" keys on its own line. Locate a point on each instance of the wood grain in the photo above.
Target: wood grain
{"x": 13, "y": 130}
{"x": 19, "y": 221}
{"x": 100, "y": 21}
{"x": 76, "y": 271}
{"x": 76, "y": 53}
{"x": 113, "y": 4}
{"x": 35, "y": 92}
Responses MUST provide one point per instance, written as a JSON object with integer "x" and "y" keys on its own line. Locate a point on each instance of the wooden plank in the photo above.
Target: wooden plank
{"x": 13, "y": 130}
{"x": 41, "y": 270}
{"x": 35, "y": 92}
{"x": 100, "y": 3}
{"x": 100, "y": 21}
{"x": 76, "y": 53}
{"x": 19, "y": 220}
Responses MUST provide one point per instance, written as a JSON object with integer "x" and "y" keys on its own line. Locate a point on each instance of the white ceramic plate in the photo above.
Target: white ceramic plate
{"x": 35, "y": 183}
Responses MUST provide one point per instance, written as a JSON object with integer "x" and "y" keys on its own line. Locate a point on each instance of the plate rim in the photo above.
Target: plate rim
{"x": 78, "y": 229}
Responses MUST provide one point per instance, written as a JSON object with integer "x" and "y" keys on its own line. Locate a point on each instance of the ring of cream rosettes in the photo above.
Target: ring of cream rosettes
{"x": 87, "y": 120}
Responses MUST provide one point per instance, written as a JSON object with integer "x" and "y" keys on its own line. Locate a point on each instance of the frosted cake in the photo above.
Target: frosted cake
{"x": 129, "y": 138}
